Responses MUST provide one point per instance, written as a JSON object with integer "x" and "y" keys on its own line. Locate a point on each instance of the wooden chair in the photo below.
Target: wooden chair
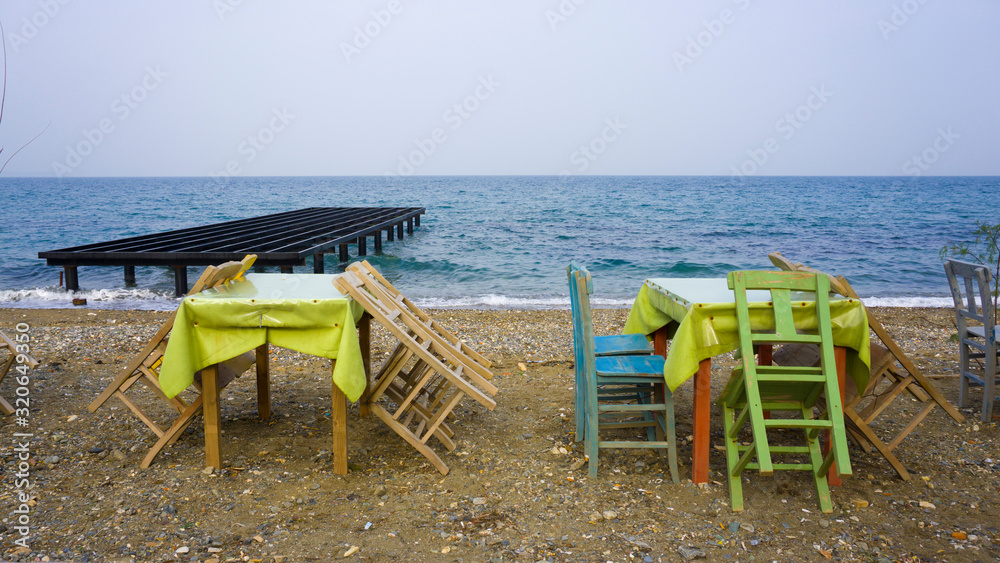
{"x": 754, "y": 389}
{"x": 893, "y": 373}
{"x": 610, "y": 345}
{"x": 144, "y": 368}
{"x": 977, "y": 330}
{"x": 619, "y": 391}
{"x": 422, "y": 381}
{"x": 10, "y": 346}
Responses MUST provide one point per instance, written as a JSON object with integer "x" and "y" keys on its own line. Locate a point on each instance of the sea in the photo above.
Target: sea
{"x": 503, "y": 242}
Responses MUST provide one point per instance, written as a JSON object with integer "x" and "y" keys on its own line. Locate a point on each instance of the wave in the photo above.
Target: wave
{"x": 145, "y": 299}
{"x": 58, "y": 298}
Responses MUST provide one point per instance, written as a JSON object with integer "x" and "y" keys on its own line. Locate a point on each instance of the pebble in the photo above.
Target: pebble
{"x": 690, "y": 552}
{"x": 351, "y": 551}
{"x": 609, "y": 514}
{"x": 182, "y": 550}
{"x": 95, "y": 450}
{"x": 479, "y": 501}
{"x": 824, "y": 523}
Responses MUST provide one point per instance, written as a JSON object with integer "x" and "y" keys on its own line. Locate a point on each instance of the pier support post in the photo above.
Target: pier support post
{"x": 390, "y": 234}
{"x": 378, "y": 242}
{"x": 409, "y": 226}
{"x": 129, "y": 275}
{"x": 286, "y": 270}
{"x": 399, "y": 231}
{"x": 362, "y": 246}
{"x": 416, "y": 220}
{"x": 344, "y": 257}
{"x": 318, "y": 263}
{"x": 180, "y": 280}
{"x": 72, "y": 283}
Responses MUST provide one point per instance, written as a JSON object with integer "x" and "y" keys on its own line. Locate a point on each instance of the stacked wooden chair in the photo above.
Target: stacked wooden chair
{"x": 430, "y": 371}
{"x": 755, "y": 389}
{"x": 9, "y": 346}
{"x": 622, "y": 389}
{"x": 144, "y": 368}
{"x": 977, "y": 331}
{"x": 893, "y": 374}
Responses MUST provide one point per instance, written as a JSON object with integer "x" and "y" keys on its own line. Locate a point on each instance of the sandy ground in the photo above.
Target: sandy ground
{"x": 517, "y": 489}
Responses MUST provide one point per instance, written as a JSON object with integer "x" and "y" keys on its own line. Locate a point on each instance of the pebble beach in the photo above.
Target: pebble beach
{"x": 517, "y": 489}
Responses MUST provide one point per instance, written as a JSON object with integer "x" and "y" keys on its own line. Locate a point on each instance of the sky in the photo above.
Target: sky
{"x": 476, "y": 87}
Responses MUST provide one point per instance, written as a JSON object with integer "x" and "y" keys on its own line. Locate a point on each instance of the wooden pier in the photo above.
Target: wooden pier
{"x": 282, "y": 239}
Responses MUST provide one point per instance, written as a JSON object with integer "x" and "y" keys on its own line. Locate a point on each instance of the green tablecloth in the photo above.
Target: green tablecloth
{"x": 704, "y": 329}
{"x": 302, "y": 312}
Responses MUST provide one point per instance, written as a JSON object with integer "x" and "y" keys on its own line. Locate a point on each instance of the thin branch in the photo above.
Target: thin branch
{"x": 22, "y": 147}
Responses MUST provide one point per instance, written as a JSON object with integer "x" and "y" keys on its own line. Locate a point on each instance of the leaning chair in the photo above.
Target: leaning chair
{"x": 893, "y": 373}
{"x": 754, "y": 389}
{"x": 977, "y": 331}
{"x": 619, "y": 391}
{"x": 144, "y": 368}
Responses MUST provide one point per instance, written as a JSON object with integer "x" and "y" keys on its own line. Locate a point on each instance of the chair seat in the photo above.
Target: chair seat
{"x": 622, "y": 345}
{"x": 631, "y": 366}
{"x": 978, "y": 331}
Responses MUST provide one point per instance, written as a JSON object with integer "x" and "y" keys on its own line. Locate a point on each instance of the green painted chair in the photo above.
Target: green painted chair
{"x": 788, "y": 393}
{"x": 618, "y": 392}
{"x": 609, "y": 345}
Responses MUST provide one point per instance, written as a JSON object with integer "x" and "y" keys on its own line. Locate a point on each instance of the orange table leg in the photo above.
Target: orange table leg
{"x": 840, "y": 356}
{"x": 660, "y": 342}
{"x": 338, "y": 414}
{"x": 210, "y": 414}
{"x": 702, "y": 419}
{"x": 263, "y": 383}
{"x": 365, "y": 341}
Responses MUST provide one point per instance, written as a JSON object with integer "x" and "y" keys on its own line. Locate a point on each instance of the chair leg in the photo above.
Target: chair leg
{"x": 963, "y": 387}
{"x": 591, "y": 434}
{"x": 989, "y": 385}
{"x": 579, "y": 406}
{"x": 732, "y": 460}
{"x": 819, "y": 470}
{"x": 671, "y": 432}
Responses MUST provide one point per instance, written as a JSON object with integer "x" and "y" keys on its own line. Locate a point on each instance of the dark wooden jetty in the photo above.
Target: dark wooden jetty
{"x": 282, "y": 239}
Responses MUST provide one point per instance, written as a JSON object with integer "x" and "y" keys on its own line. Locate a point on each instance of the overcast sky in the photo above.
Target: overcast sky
{"x": 310, "y": 87}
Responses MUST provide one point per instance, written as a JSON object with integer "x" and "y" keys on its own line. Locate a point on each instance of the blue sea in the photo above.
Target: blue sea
{"x": 504, "y": 241}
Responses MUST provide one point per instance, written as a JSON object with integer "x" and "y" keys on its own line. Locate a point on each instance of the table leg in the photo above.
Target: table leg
{"x": 365, "y": 342}
{"x": 660, "y": 342}
{"x": 210, "y": 414}
{"x": 263, "y": 383}
{"x": 702, "y": 419}
{"x": 840, "y": 357}
{"x": 338, "y": 414}
{"x": 765, "y": 354}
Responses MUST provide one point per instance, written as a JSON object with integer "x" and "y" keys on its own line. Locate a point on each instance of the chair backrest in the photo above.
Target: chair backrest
{"x": 970, "y": 290}
{"x": 580, "y": 288}
{"x": 781, "y": 284}
{"x": 787, "y": 265}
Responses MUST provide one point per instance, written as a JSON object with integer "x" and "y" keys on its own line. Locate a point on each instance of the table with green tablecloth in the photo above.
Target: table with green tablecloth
{"x": 698, "y": 315}
{"x": 302, "y": 312}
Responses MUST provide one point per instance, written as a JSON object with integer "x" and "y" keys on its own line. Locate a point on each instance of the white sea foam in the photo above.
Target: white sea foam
{"x": 58, "y": 298}
{"x": 146, "y": 299}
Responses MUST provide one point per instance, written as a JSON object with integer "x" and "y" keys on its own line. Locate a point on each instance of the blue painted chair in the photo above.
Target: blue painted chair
{"x": 978, "y": 332}
{"x": 618, "y": 391}
{"x": 610, "y": 345}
